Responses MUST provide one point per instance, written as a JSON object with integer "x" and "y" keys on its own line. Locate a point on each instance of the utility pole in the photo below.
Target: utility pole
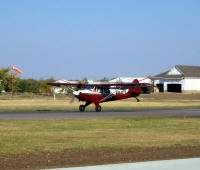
{"x": 12, "y": 78}
{"x": 12, "y": 84}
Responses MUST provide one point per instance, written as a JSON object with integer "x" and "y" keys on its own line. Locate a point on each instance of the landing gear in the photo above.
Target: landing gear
{"x": 138, "y": 100}
{"x": 135, "y": 95}
{"x": 98, "y": 108}
{"x": 81, "y": 108}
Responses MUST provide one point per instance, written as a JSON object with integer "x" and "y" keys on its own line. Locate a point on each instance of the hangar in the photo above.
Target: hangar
{"x": 179, "y": 78}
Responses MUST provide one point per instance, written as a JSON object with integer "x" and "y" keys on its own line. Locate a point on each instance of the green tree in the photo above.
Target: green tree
{"x": 15, "y": 82}
{"x": 44, "y": 87}
{"x": 105, "y": 79}
{"x": 85, "y": 80}
{"x": 29, "y": 85}
{"x": 4, "y": 79}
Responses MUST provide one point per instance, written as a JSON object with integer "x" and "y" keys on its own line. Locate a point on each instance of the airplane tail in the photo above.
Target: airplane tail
{"x": 135, "y": 91}
{"x": 136, "y": 81}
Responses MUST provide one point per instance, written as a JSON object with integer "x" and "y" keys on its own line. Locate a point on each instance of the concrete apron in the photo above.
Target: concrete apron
{"x": 178, "y": 164}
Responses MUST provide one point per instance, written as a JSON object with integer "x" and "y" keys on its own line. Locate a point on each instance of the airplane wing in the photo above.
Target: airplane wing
{"x": 100, "y": 84}
{"x": 67, "y": 84}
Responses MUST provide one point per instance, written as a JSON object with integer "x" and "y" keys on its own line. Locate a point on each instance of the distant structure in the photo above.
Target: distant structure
{"x": 61, "y": 90}
{"x": 130, "y": 79}
{"x": 179, "y": 79}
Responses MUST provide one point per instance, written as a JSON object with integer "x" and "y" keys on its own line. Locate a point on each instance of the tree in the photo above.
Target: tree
{"x": 44, "y": 88}
{"x": 14, "y": 83}
{"x": 85, "y": 80}
{"x": 29, "y": 85}
{"x": 105, "y": 79}
{"x": 4, "y": 79}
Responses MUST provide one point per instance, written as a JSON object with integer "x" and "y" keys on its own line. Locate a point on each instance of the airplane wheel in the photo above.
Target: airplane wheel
{"x": 98, "y": 108}
{"x": 81, "y": 108}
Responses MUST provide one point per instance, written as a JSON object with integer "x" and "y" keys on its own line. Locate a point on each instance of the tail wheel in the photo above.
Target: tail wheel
{"x": 81, "y": 108}
{"x": 98, "y": 108}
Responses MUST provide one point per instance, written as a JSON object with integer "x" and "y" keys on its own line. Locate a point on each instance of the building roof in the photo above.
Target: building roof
{"x": 130, "y": 79}
{"x": 181, "y": 72}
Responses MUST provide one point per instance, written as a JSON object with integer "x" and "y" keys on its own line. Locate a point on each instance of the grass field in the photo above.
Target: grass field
{"x": 18, "y": 136}
{"x": 35, "y": 135}
{"x": 38, "y": 104}
{"x": 149, "y": 101}
{"x": 24, "y": 142}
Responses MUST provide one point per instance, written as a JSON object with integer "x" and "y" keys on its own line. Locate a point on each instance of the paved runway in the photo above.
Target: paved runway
{"x": 39, "y": 115}
{"x": 178, "y": 164}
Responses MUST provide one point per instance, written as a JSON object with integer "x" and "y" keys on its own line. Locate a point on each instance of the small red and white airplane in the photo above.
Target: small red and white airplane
{"x": 103, "y": 92}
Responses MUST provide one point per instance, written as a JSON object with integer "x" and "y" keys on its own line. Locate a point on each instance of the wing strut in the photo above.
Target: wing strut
{"x": 107, "y": 97}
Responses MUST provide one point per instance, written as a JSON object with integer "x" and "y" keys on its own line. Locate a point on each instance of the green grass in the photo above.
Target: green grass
{"x": 21, "y": 136}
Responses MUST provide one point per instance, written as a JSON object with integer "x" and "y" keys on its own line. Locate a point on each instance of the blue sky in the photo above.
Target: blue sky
{"x": 73, "y": 39}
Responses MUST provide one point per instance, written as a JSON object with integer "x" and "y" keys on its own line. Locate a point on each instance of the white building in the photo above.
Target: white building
{"x": 130, "y": 79}
{"x": 61, "y": 90}
{"x": 179, "y": 79}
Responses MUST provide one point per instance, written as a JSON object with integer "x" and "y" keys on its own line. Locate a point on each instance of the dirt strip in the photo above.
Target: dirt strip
{"x": 40, "y": 160}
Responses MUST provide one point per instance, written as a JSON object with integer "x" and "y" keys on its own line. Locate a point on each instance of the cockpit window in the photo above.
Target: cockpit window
{"x": 90, "y": 86}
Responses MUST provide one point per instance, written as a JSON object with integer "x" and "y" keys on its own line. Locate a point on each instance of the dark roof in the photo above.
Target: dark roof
{"x": 186, "y": 71}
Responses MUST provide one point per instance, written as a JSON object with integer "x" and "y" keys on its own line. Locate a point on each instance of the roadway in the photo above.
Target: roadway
{"x": 178, "y": 164}
{"x": 40, "y": 115}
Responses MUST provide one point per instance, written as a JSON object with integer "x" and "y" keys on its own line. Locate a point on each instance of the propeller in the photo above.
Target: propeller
{"x": 72, "y": 99}
{"x": 70, "y": 91}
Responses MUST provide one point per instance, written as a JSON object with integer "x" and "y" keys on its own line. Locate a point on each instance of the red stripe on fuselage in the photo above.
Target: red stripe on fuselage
{"x": 96, "y": 98}
{"x": 123, "y": 96}
{"x": 91, "y": 97}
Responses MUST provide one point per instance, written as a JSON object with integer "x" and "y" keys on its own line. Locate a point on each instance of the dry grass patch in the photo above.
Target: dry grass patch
{"x": 148, "y": 101}
{"x": 39, "y": 104}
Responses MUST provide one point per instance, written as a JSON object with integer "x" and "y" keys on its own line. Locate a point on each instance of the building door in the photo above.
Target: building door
{"x": 160, "y": 87}
{"x": 174, "y": 88}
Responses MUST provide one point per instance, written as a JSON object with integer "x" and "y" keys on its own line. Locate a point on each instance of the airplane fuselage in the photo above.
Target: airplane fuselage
{"x": 97, "y": 93}
{"x": 98, "y": 96}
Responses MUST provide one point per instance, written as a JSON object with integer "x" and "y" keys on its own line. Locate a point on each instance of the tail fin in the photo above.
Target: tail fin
{"x": 136, "y": 81}
{"x": 137, "y": 90}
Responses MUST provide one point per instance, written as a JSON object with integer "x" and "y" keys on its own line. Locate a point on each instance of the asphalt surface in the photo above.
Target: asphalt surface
{"x": 178, "y": 164}
{"x": 39, "y": 115}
